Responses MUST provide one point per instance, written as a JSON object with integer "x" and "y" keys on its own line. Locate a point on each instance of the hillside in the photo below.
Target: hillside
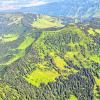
{"x": 51, "y": 64}
{"x": 18, "y": 31}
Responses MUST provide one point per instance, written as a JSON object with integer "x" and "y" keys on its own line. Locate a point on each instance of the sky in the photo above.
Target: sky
{"x": 17, "y": 4}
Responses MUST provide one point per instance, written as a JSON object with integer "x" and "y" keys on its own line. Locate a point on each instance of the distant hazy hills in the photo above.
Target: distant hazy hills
{"x": 81, "y": 9}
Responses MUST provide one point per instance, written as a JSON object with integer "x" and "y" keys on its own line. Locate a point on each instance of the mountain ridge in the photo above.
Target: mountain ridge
{"x": 82, "y": 9}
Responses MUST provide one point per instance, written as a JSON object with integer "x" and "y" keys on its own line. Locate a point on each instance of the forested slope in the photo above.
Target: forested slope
{"x": 60, "y": 64}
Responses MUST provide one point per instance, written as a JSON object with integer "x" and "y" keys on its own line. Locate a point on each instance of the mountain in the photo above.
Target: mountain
{"x": 80, "y": 9}
{"x": 50, "y": 60}
{"x": 73, "y": 8}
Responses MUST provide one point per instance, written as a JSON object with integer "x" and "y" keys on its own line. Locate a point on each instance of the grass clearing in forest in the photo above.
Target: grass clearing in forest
{"x": 26, "y": 43}
{"x": 46, "y": 22}
{"x": 97, "y": 31}
{"x": 91, "y": 31}
{"x": 58, "y": 61}
{"x": 9, "y": 38}
{"x": 39, "y": 76}
{"x": 95, "y": 58}
{"x": 97, "y": 80}
{"x": 14, "y": 58}
{"x": 72, "y": 97}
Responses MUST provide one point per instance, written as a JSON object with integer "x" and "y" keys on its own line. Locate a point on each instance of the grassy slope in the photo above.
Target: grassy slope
{"x": 22, "y": 47}
{"x": 46, "y": 22}
{"x": 26, "y": 43}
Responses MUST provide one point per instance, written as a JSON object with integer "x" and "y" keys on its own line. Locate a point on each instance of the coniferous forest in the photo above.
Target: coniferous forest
{"x": 50, "y": 57}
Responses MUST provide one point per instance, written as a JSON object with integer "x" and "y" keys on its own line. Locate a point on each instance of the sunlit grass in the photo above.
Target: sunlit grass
{"x": 14, "y": 58}
{"x": 9, "y": 38}
{"x": 97, "y": 30}
{"x": 70, "y": 55}
{"x": 72, "y": 97}
{"x": 26, "y": 43}
{"x": 91, "y": 31}
{"x": 58, "y": 61}
{"x": 95, "y": 58}
{"x": 46, "y": 22}
{"x": 39, "y": 76}
{"x": 97, "y": 80}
